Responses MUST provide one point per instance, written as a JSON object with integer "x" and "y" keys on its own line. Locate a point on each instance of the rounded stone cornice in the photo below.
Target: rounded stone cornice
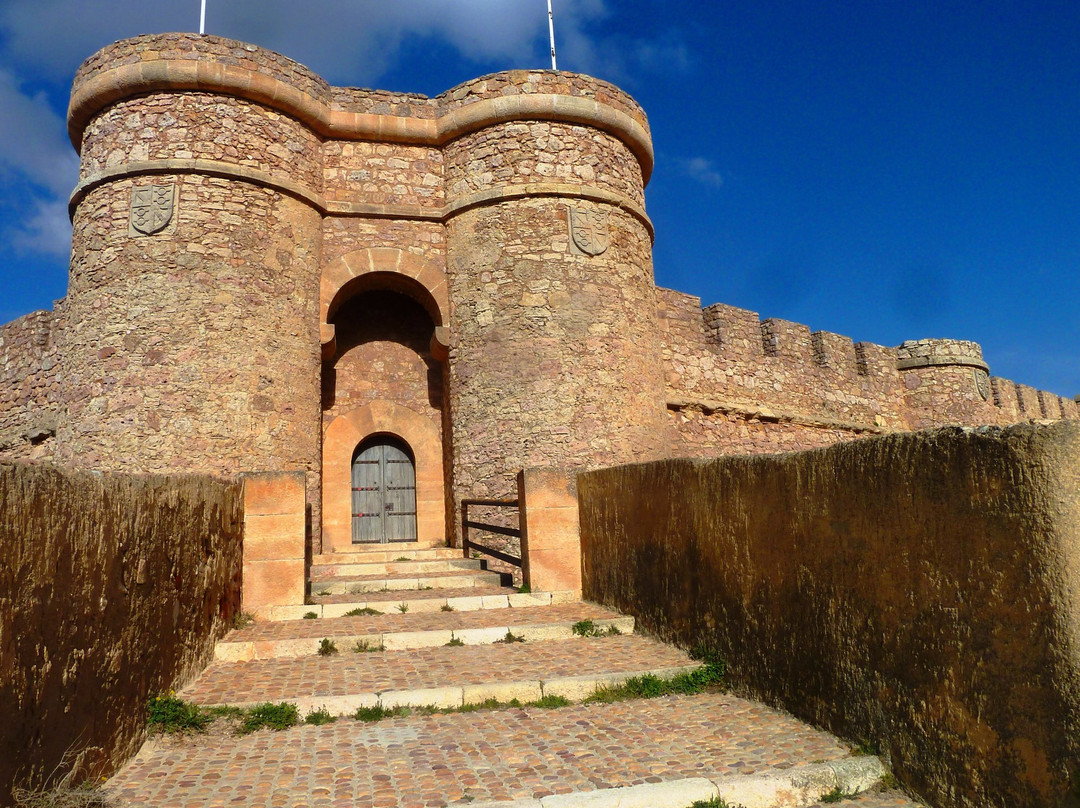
{"x": 924, "y": 353}
{"x": 210, "y": 64}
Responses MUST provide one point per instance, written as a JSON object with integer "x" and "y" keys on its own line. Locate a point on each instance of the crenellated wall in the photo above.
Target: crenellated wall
{"x": 735, "y": 383}
{"x": 507, "y": 217}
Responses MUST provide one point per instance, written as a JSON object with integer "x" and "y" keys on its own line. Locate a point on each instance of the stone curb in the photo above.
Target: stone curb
{"x": 292, "y": 648}
{"x": 574, "y": 688}
{"x": 464, "y": 603}
{"x": 418, "y": 566}
{"x": 332, "y": 587}
{"x": 792, "y": 788}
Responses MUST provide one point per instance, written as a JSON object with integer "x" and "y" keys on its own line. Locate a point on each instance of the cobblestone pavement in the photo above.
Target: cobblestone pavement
{"x": 445, "y": 760}
{"x": 433, "y": 621}
{"x": 348, "y": 672}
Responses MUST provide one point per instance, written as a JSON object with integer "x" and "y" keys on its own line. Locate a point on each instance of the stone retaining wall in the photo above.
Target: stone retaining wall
{"x": 112, "y": 588}
{"x": 920, "y": 592}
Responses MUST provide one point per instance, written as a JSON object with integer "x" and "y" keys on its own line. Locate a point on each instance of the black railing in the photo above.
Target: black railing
{"x": 466, "y": 524}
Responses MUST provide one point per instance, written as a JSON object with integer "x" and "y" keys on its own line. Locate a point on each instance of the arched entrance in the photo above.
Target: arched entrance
{"x": 383, "y": 492}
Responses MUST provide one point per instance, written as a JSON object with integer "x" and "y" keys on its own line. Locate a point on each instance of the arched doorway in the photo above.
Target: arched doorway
{"x": 383, "y": 492}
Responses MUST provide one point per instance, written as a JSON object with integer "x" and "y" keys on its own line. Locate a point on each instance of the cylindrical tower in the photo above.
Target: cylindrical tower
{"x": 945, "y": 381}
{"x": 554, "y": 357}
{"x": 194, "y": 284}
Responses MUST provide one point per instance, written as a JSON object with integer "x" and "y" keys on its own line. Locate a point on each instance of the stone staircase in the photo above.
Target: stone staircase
{"x": 425, "y": 628}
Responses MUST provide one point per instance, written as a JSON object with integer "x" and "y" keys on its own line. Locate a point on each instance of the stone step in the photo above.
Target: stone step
{"x": 442, "y": 676}
{"x": 386, "y": 552}
{"x": 655, "y": 753}
{"x": 453, "y": 579}
{"x": 398, "y": 630}
{"x": 466, "y": 599}
{"x": 418, "y": 567}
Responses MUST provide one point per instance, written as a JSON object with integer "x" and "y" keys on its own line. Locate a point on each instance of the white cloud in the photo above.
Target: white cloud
{"x": 701, "y": 169}
{"x": 47, "y": 230}
{"x": 33, "y": 141}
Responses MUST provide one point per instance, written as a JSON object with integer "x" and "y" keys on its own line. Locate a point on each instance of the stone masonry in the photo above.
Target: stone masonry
{"x": 267, "y": 271}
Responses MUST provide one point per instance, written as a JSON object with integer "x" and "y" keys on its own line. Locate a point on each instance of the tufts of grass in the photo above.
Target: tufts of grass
{"x": 446, "y": 607}
{"x": 651, "y": 687}
{"x": 550, "y": 702}
{"x": 320, "y": 717}
{"x": 365, "y": 647}
{"x": 360, "y": 612}
{"x": 377, "y": 713}
{"x": 524, "y": 589}
{"x": 166, "y": 713}
{"x": 311, "y": 615}
{"x": 402, "y": 558}
{"x": 403, "y": 607}
{"x": 327, "y": 647}
{"x": 224, "y": 711}
{"x": 511, "y": 638}
{"x": 242, "y": 620}
{"x": 455, "y": 642}
{"x": 61, "y": 796}
{"x": 587, "y": 628}
{"x": 838, "y": 795}
{"x": 272, "y": 716}
{"x": 715, "y": 802}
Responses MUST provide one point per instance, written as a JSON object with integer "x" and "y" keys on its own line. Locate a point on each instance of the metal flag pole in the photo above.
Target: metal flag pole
{"x": 551, "y": 33}
{"x": 202, "y": 18}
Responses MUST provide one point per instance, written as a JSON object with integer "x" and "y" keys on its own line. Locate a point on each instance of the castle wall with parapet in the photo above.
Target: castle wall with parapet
{"x": 735, "y": 383}
{"x": 31, "y": 388}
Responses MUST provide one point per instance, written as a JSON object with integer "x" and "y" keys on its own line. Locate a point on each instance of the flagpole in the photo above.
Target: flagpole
{"x": 551, "y": 34}
{"x": 202, "y": 18}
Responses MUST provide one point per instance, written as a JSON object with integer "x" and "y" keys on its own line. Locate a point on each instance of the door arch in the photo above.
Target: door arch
{"x": 383, "y": 492}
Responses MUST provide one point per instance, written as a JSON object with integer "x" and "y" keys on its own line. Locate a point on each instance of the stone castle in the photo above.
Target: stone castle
{"x": 409, "y": 299}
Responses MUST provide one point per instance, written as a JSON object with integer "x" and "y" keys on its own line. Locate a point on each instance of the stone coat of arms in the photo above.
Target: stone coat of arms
{"x": 151, "y": 208}
{"x": 590, "y": 231}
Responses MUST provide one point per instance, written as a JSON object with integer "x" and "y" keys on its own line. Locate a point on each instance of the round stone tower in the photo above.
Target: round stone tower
{"x": 554, "y": 357}
{"x": 192, "y": 305}
{"x": 945, "y": 381}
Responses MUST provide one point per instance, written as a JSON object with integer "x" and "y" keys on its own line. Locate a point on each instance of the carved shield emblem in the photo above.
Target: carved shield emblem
{"x": 151, "y": 208}
{"x": 982, "y": 384}
{"x": 590, "y": 231}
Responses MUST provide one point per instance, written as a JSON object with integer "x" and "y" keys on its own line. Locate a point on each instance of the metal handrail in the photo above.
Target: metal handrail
{"x": 466, "y": 524}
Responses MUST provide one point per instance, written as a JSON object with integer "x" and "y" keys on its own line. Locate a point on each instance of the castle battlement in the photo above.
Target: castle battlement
{"x": 272, "y": 273}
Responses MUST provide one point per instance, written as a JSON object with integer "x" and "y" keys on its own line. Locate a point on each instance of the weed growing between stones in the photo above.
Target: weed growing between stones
{"x": 511, "y": 638}
{"x": 366, "y": 610}
{"x": 327, "y": 647}
{"x": 650, "y": 686}
{"x": 403, "y": 607}
{"x": 320, "y": 717}
{"x": 838, "y": 795}
{"x": 446, "y": 607}
{"x": 455, "y": 642}
{"x": 377, "y": 713}
{"x": 715, "y": 802}
{"x": 402, "y": 558}
{"x": 365, "y": 647}
{"x": 242, "y": 620}
{"x": 524, "y": 589}
{"x": 272, "y": 716}
{"x": 587, "y": 628}
{"x": 166, "y": 713}
{"x": 311, "y": 615}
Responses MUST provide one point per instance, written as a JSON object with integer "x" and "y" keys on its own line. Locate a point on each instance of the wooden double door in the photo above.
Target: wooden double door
{"x": 383, "y": 492}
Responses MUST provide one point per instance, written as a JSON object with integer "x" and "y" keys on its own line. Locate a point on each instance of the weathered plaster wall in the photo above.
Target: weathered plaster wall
{"x": 919, "y": 591}
{"x": 112, "y": 588}
{"x": 31, "y": 394}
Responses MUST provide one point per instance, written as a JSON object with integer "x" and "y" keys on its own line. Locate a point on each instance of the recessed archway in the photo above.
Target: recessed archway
{"x": 345, "y": 433}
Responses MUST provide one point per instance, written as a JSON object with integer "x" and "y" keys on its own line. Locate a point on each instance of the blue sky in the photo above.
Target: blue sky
{"x": 885, "y": 169}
